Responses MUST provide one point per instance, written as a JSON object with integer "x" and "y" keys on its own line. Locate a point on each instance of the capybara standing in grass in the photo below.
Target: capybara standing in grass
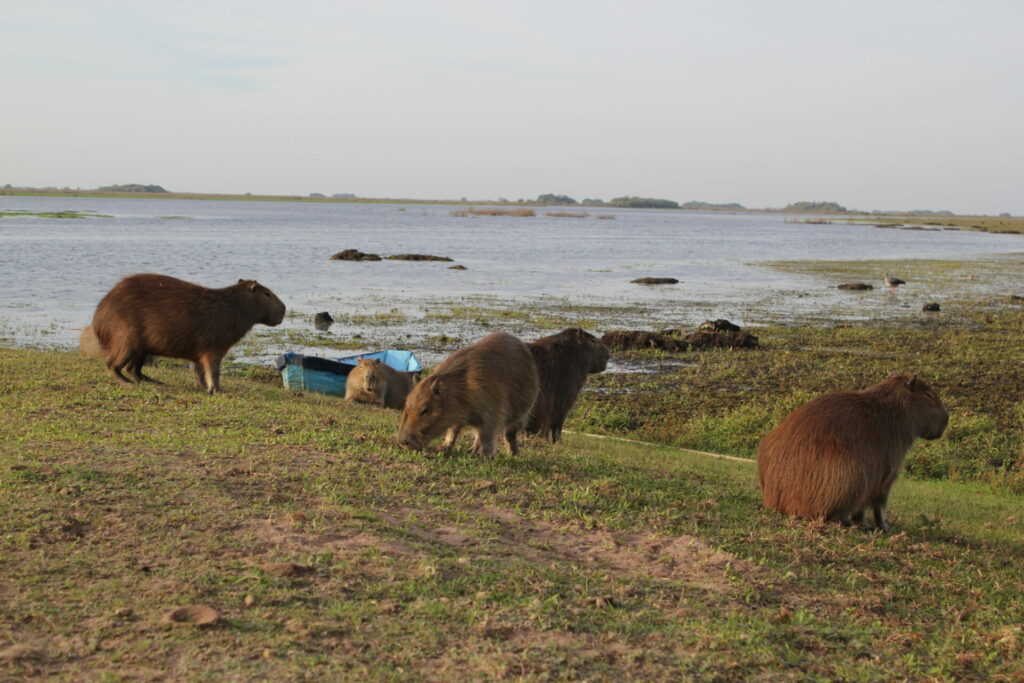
{"x": 373, "y": 381}
{"x": 834, "y": 456}
{"x": 489, "y": 386}
{"x": 563, "y": 362}
{"x": 158, "y": 315}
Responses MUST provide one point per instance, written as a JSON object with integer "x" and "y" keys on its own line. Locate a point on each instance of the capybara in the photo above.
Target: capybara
{"x": 834, "y": 456}
{"x": 489, "y": 386}
{"x": 373, "y": 381}
{"x": 159, "y": 315}
{"x": 563, "y": 362}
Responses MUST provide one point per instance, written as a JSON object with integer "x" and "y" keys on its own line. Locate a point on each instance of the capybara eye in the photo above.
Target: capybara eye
{"x": 426, "y": 409}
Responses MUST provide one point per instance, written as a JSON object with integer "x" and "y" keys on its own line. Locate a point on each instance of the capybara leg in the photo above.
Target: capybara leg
{"x": 450, "y": 437}
{"x": 197, "y": 369}
{"x": 879, "y": 509}
{"x": 115, "y": 372}
{"x": 510, "y": 438}
{"x": 211, "y": 369}
{"x": 484, "y": 443}
{"x": 136, "y": 369}
{"x": 556, "y": 432}
{"x": 858, "y": 518}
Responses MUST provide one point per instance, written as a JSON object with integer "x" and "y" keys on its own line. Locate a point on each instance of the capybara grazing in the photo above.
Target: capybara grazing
{"x": 834, "y": 456}
{"x": 158, "y": 315}
{"x": 373, "y": 381}
{"x": 489, "y": 386}
{"x": 563, "y": 362}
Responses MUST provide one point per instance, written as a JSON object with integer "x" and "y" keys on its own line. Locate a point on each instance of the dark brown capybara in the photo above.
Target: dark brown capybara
{"x": 563, "y": 362}
{"x": 489, "y": 386}
{"x": 158, "y": 315}
{"x": 834, "y": 456}
{"x": 373, "y": 381}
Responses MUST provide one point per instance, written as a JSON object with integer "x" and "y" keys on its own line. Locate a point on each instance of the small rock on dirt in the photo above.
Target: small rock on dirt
{"x": 932, "y": 307}
{"x": 192, "y": 615}
{"x": 287, "y": 569}
{"x": 323, "y": 321}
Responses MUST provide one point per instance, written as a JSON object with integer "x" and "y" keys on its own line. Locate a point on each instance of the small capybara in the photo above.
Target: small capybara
{"x": 489, "y": 386}
{"x": 373, "y": 381}
{"x": 158, "y": 315}
{"x": 563, "y": 362}
{"x": 834, "y": 456}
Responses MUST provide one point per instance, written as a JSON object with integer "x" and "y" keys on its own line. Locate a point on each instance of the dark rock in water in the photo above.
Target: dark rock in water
{"x": 323, "y": 320}
{"x": 622, "y": 340}
{"x": 457, "y": 267}
{"x": 930, "y": 307}
{"x": 354, "y": 255}
{"x": 727, "y": 340}
{"x": 417, "y": 257}
{"x": 720, "y": 325}
{"x": 856, "y": 286}
{"x": 655, "y": 281}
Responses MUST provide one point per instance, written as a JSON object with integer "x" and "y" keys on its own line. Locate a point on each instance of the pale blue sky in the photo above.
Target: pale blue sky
{"x": 876, "y": 105}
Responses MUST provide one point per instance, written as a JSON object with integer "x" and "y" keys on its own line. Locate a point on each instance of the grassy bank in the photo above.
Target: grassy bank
{"x": 329, "y": 553}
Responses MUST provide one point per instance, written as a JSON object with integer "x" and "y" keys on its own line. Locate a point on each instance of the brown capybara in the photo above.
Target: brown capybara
{"x": 563, "y": 362}
{"x": 373, "y": 381}
{"x": 158, "y": 315}
{"x": 489, "y": 386}
{"x": 834, "y": 456}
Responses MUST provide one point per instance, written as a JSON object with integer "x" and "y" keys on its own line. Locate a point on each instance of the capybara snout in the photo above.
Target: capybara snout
{"x": 158, "y": 315}
{"x": 833, "y": 457}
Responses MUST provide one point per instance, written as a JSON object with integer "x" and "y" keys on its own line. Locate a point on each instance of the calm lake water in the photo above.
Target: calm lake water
{"x": 53, "y": 271}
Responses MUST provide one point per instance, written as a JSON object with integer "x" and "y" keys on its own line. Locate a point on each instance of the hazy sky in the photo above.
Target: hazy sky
{"x": 874, "y": 104}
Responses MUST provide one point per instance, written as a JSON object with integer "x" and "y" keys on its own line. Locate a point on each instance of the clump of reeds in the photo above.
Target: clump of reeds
{"x": 606, "y": 216}
{"x": 568, "y": 214}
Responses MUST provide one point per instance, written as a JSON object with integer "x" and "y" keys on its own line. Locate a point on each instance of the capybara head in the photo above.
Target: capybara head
{"x": 923, "y": 407}
{"x": 596, "y": 351}
{"x": 435, "y": 404}
{"x": 371, "y": 373}
{"x": 268, "y": 308}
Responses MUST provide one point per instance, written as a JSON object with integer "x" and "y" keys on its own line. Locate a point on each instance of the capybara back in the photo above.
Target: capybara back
{"x": 563, "y": 362}
{"x": 159, "y": 315}
{"x": 489, "y": 386}
{"x": 836, "y": 455}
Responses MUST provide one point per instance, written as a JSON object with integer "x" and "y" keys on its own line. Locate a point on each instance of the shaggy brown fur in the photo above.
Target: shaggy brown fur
{"x": 90, "y": 345}
{"x": 836, "y": 455}
{"x": 563, "y": 361}
{"x": 489, "y": 386}
{"x": 376, "y": 382}
{"x": 160, "y": 315}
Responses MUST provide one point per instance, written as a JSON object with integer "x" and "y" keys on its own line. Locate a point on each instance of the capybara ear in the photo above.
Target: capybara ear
{"x": 252, "y": 285}
{"x": 437, "y": 388}
{"x": 376, "y": 362}
{"x": 913, "y": 382}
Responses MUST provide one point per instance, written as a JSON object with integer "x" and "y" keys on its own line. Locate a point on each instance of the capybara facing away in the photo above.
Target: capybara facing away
{"x": 834, "y": 456}
{"x": 158, "y": 315}
{"x": 373, "y": 381}
{"x": 563, "y": 362}
{"x": 489, "y": 386}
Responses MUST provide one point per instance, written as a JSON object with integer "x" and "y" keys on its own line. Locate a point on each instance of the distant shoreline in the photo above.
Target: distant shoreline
{"x": 996, "y": 224}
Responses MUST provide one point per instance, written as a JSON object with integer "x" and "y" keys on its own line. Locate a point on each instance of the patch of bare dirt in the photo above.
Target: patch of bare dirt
{"x": 282, "y": 534}
{"x": 646, "y": 554}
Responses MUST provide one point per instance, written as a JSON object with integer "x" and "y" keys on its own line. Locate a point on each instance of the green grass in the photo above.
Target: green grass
{"x": 592, "y": 559}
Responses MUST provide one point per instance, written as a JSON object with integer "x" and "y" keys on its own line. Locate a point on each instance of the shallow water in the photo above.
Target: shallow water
{"x": 53, "y": 271}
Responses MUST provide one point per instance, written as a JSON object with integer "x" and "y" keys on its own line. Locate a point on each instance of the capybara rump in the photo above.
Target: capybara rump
{"x": 563, "y": 362}
{"x": 489, "y": 386}
{"x": 158, "y": 315}
{"x": 836, "y": 455}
